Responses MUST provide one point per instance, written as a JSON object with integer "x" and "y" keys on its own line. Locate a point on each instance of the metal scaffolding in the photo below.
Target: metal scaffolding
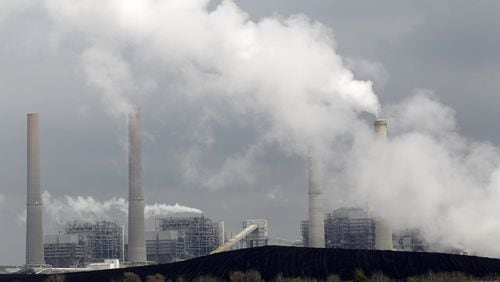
{"x": 198, "y": 236}
{"x": 348, "y": 228}
{"x": 84, "y": 242}
{"x": 164, "y": 246}
{"x": 103, "y": 238}
{"x": 64, "y": 250}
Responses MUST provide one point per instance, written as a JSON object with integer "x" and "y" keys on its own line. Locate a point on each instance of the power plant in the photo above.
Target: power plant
{"x": 34, "y": 224}
{"x": 136, "y": 226}
{"x": 183, "y": 238}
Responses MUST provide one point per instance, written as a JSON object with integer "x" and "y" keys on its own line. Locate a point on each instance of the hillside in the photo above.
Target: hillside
{"x": 300, "y": 262}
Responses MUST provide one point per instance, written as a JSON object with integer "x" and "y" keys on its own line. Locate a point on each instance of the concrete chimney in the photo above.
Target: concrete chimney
{"x": 383, "y": 231}
{"x": 136, "y": 227}
{"x": 316, "y": 214}
{"x": 34, "y": 226}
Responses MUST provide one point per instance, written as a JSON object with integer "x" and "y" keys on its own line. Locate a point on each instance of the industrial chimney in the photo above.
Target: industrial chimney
{"x": 34, "y": 227}
{"x": 383, "y": 231}
{"x": 316, "y": 216}
{"x": 136, "y": 239}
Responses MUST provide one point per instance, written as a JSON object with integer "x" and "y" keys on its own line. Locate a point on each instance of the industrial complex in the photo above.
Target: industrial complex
{"x": 106, "y": 244}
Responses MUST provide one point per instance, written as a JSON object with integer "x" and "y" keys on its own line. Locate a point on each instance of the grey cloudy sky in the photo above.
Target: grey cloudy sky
{"x": 448, "y": 47}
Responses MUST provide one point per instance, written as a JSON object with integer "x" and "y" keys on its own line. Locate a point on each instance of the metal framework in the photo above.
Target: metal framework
{"x": 237, "y": 238}
{"x": 164, "y": 246}
{"x": 65, "y": 254}
{"x": 103, "y": 238}
{"x": 198, "y": 236}
{"x": 91, "y": 242}
{"x": 348, "y": 228}
{"x": 409, "y": 240}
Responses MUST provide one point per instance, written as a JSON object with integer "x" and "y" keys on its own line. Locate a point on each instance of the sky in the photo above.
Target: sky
{"x": 232, "y": 95}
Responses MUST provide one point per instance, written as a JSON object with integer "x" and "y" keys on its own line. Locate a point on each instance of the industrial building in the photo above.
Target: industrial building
{"x": 180, "y": 238}
{"x": 348, "y": 228}
{"x": 164, "y": 246}
{"x": 81, "y": 243}
{"x": 258, "y": 237}
{"x": 409, "y": 240}
{"x": 354, "y": 228}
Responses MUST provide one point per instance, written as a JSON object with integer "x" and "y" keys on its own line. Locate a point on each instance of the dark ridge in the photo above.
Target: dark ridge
{"x": 298, "y": 262}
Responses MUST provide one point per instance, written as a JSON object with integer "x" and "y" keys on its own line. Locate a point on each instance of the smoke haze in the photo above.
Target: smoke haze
{"x": 273, "y": 87}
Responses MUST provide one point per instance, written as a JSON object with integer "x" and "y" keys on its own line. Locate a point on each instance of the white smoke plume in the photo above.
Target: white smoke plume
{"x": 220, "y": 56}
{"x": 282, "y": 74}
{"x": 163, "y": 209}
{"x": 60, "y": 210}
{"x": 429, "y": 177}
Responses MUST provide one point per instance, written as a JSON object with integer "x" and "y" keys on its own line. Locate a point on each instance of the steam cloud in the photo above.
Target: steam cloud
{"x": 283, "y": 78}
{"x": 64, "y": 209}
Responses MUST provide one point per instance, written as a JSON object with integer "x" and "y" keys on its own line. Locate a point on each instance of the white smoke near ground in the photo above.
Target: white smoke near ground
{"x": 60, "y": 210}
{"x": 284, "y": 73}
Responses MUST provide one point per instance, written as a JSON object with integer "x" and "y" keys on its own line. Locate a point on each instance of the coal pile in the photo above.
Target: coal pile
{"x": 272, "y": 261}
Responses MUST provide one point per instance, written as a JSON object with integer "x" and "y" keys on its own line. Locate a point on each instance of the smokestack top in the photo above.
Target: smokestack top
{"x": 380, "y": 121}
{"x": 381, "y": 128}
{"x": 32, "y": 116}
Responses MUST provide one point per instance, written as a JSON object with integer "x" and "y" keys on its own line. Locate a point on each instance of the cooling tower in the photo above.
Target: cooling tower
{"x": 34, "y": 227}
{"x": 383, "y": 231}
{"x": 316, "y": 216}
{"x": 136, "y": 228}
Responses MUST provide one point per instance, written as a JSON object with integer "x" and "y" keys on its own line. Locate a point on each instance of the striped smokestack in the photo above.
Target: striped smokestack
{"x": 34, "y": 227}
{"x": 383, "y": 231}
{"x": 136, "y": 239}
{"x": 316, "y": 216}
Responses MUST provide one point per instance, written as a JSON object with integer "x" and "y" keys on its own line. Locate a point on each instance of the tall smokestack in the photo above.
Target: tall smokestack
{"x": 383, "y": 231}
{"x": 34, "y": 227}
{"x": 316, "y": 216}
{"x": 136, "y": 239}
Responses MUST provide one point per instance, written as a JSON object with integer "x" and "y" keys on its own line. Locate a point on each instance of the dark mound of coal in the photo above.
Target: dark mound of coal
{"x": 271, "y": 261}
